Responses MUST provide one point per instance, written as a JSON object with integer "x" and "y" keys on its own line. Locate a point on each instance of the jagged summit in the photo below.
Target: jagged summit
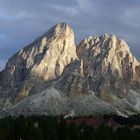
{"x": 53, "y": 76}
{"x": 109, "y": 60}
{"x": 45, "y": 58}
{"x": 94, "y": 41}
{"x": 55, "y": 30}
{"x": 107, "y": 53}
{"x": 59, "y": 28}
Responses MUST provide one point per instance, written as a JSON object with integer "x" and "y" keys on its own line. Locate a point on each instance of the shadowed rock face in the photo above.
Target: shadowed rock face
{"x": 100, "y": 73}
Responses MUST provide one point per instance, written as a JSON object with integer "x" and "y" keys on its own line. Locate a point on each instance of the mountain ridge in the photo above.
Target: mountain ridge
{"x": 100, "y": 71}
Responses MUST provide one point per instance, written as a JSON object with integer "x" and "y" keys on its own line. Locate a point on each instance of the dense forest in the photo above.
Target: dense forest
{"x": 58, "y": 128}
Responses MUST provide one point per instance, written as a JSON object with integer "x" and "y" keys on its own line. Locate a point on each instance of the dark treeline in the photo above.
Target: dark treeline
{"x": 57, "y": 128}
{"x": 130, "y": 121}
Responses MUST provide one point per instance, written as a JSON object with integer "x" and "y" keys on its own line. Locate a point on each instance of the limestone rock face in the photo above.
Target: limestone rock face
{"x": 55, "y": 77}
{"x": 107, "y": 54}
{"x": 32, "y": 69}
{"x": 45, "y": 58}
{"x": 110, "y": 60}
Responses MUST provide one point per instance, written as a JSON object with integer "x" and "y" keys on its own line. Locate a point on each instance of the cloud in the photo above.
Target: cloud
{"x": 2, "y": 37}
{"x": 131, "y": 17}
{"x": 86, "y": 5}
{"x": 71, "y": 11}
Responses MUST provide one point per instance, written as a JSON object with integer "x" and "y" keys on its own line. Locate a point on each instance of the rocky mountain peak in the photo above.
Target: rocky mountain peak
{"x": 53, "y": 76}
{"x": 58, "y": 29}
{"x": 45, "y": 58}
{"x": 107, "y": 54}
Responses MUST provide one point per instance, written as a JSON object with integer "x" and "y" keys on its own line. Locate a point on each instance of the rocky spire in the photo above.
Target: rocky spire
{"x": 107, "y": 54}
{"x": 45, "y": 58}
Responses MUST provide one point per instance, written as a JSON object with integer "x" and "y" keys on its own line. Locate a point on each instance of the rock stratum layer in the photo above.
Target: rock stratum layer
{"x": 52, "y": 76}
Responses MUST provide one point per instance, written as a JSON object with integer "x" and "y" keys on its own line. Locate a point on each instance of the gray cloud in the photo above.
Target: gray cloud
{"x": 22, "y": 21}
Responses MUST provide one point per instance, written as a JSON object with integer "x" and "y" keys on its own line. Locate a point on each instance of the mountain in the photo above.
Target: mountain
{"x": 42, "y": 60}
{"x": 52, "y": 76}
{"x": 110, "y": 60}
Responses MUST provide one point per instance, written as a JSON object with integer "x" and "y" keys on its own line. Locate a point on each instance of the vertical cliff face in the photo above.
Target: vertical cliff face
{"x": 45, "y": 58}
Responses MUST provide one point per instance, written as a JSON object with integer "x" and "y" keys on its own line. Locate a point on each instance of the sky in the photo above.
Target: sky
{"x": 22, "y": 21}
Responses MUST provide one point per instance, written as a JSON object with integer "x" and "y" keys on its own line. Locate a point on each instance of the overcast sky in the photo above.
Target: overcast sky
{"x": 22, "y": 21}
